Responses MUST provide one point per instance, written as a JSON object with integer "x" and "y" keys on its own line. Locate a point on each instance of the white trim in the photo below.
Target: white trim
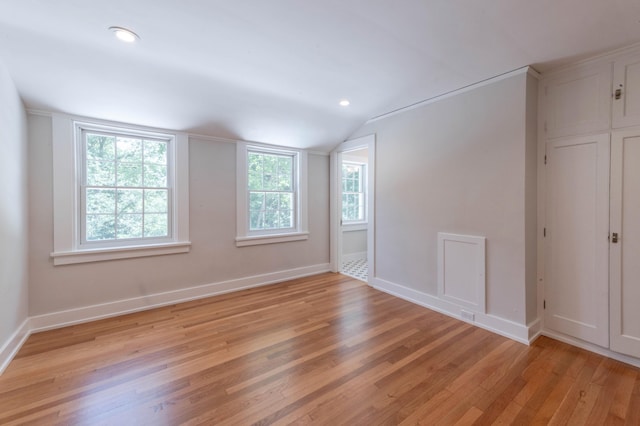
{"x": 608, "y": 56}
{"x": 270, "y": 239}
{"x": 591, "y": 347}
{"x": 66, "y": 211}
{"x": 11, "y": 347}
{"x": 512, "y": 330}
{"x": 113, "y": 253}
{"x": 455, "y": 92}
{"x": 361, "y": 255}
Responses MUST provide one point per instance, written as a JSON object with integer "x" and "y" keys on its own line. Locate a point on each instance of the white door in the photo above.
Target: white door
{"x": 626, "y": 92}
{"x": 577, "y": 229}
{"x": 625, "y": 263}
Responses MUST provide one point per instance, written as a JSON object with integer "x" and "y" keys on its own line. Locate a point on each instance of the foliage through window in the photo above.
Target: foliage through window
{"x": 271, "y": 191}
{"x": 125, "y": 190}
{"x": 353, "y": 192}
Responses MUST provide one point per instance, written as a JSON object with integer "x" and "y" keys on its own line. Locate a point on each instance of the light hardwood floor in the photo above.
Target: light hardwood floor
{"x": 325, "y": 349}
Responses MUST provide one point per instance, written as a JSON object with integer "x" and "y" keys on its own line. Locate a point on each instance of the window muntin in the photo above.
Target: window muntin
{"x": 353, "y": 192}
{"x": 125, "y": 188}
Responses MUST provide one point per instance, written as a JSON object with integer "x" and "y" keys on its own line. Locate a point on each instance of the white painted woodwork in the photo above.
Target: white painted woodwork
{"x": 578, "y": 101}
{"x": 576, "y": 290}
{"x": 624, "y": 266}
{"x": 626, "y": 77}
{"x": 461, "y": 270}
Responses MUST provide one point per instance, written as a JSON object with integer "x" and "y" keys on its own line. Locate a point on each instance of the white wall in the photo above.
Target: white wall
{"x": 354, "y": 242}
{"x": 213, "y": 258}
{"x": 458, "y": 165}
{"x": 13, "y": 216}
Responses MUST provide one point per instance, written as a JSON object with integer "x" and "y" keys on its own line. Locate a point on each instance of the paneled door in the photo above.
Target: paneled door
{"x": 577, "y": 230}
{"x": 625, "y": 244}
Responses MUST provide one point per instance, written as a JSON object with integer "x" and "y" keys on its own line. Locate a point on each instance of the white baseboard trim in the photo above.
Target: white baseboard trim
{"x": 591, "y": 347}
{"x": 121, "y": 307}
{"x": 535, "y": 329}
{"x": 506, "y": 328}
{"x": 354, "y": 256}
{"x": 13, "y": 344}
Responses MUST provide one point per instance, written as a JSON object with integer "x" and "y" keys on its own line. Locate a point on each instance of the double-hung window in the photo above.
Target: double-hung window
{"x": 271, "y": 194}
{"x": 125, "y": 192}
{"x": 353, "y": 193}
{"x": 119, "y": 192}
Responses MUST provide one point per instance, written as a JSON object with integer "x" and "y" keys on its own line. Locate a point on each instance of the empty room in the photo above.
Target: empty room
{"x": 335, "y": 212}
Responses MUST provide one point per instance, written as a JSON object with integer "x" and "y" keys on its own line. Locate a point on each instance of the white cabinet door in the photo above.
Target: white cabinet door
{"x": 577, "y": 229}
{"x": 625, "y": 260}
{"x": 626, "y": 102}
{"x": 578, "y": 101}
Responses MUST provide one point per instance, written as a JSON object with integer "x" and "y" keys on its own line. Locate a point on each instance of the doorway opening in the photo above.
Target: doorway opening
{"x": 352, "y": 244}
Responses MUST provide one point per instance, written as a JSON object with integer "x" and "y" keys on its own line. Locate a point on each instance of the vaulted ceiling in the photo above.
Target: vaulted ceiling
{"x": 274, "y": 70}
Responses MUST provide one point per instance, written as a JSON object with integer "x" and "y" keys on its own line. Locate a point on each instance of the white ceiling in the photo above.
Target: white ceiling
{"x": 274, "y": 70}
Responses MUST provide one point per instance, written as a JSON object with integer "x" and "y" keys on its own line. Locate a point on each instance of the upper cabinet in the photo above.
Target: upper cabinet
{"x": 626, "y": 92}
{"x": 578, "y": 101}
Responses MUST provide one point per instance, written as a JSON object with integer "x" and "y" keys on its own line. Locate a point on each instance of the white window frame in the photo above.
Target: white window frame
{"x": 247, "y": 237}
{"x": 67, "y": 185}
{"x": 353, "y": 224}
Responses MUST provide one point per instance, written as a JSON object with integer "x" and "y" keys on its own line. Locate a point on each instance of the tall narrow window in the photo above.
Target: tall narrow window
{"x": 126, "y": 192}
{"x": 353, "y": 192}
{"x": 271, "y": 195}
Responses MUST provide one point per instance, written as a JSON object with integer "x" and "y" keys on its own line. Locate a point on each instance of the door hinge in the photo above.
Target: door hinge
{"x": 544, "y": 232}
{"x": 545, "y": 159}
{"x": 545, "y": 127}
{"x": 544, "y": 304}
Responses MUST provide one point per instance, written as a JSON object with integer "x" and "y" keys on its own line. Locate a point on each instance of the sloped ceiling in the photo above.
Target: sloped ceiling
{"x": 274, "y": 70}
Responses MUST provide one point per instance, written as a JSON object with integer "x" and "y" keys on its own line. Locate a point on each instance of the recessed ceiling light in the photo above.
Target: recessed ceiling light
{"x": 345, "y": 102}
{"x": 124, "y": 34}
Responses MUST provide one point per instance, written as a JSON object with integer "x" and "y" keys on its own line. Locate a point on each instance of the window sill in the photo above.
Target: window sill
{"x": 349, "y": 227}
{"x": 98, "y": 255}
{"x": 271, "y": 239}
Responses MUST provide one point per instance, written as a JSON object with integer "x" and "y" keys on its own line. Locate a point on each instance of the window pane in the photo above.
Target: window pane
{"x": 129, "y": 174}
{"x": 271, "y": 201}
{"x": 285, "y": 173}
{"x": 155, "y": 152}
{"x": 256, "y": 219}
{"x": 129, "y": 226}
{"x": 129, "y": 201}
{"x": 100, "y": 227}
{"x": 156, "y": 201}
{"x": 256, "y": 201}
{"x": 100, "y": 147}
{"x": 270, "y": 219}
{"x": 100, "y": 201}
{"x": 156, "y": 225}
{"x": 286, "y": 218}
{"x": 255, "y": 180}
{"x": 270, "y": 172}
{"x": 155, "y": 175}
{"x": 129, "y": 150}
{"x": 286, "y": 201}
{"x": 101, "y": 173}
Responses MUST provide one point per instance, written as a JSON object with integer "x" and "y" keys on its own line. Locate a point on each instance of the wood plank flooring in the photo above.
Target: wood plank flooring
{"x": 325, "y": 349}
